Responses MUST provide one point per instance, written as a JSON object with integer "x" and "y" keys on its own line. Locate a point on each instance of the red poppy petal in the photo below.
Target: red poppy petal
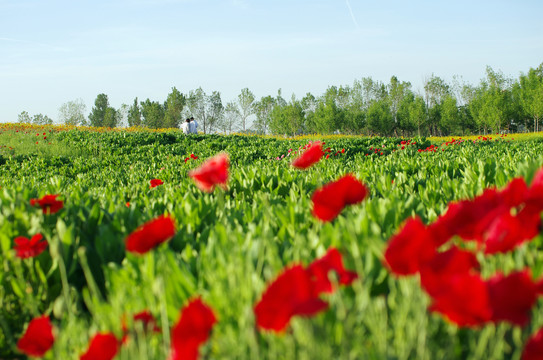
{"x": 212, "y": 172}
{"x": 103, "y": 346}
{"x": 38, "y": 337}
{"x": 309, "y": 157}
{"x": 408, "y": 249}
{"x": 150, "y": 234}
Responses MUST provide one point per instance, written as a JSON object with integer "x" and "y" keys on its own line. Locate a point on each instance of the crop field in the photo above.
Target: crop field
{"x": 138, "y": 244}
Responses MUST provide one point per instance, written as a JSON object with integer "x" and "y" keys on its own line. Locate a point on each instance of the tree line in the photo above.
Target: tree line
{"x": 498, "y": 103}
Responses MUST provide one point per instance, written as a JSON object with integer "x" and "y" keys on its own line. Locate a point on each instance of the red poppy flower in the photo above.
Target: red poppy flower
{"x": 103, "y": 346}
{"x": 309, "y": 157}
{"x": 194, "y": 157}
{"x": 192, "y": 330}
{"x": 504, "y": 234}
{"x": 435, "y": 273}
{"x": 155, "y": 183}
{"x": 150, "y": 234}
{"x": 26, "y": 248}
{"x": 330, "y": 200}
{"x": 148, "y": 320}
{"x": 411, "y": 247}
{"x": 291, "y": 293}
{"x": 464, "y": 300}
{"x": 48, "y": 203}
{"x": 319, "y": 269}
{"x": 533, "y": 349}
{"x": 213, "y": 171}
{"x": 512, "y": 297}
{"x": 38, "y": 337}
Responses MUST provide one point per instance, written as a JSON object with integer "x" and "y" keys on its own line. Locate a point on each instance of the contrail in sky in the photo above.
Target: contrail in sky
{"x": 352, "y": 15}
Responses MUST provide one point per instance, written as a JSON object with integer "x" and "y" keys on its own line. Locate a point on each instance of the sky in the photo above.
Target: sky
{"x": 55, "y": 51}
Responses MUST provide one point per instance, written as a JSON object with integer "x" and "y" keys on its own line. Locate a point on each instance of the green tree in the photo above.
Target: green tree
{"x": 111, "y": 117}
{"x": 134, "y": 114}
{"x": 231, "y": 118}
{"x": 40, "y": 119}
{"x": 153, "y": 114}
{"x": 173, "y": 109}
{"x": 263, "y": 109}
{"x": 450, "y": 116}
{"x": 246, "y": 103}
{"x": 328, "y": 116}
{"x": 287, "y": 119}
{"x": 23, "y": 117}
{"x": 73, "y": 113}
{"x": 206, "y": 109}
{"x": 531, "y": 94}
{"x": 98, "y": 112}
{"x": 379, "y": 117}
{"x": 435, "y": 92}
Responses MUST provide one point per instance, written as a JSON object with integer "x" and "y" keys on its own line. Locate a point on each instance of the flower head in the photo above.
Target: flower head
{"x": 309, "y": 157}
{"x": 150, "y": 234}
{"x": 38, "y": 337}
{"x": 192, "y": 330}
{"x": 214, "y": 171}
{"x": 48, "y": 203}
{"x": 103, "y": 346}
{"x": 26, "y": 248}
{"x": 155, "y": 183}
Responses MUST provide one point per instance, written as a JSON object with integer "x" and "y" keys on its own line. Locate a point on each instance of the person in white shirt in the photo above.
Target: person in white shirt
{"x": 193, "y": 127}
{"x": 186, "y": 127}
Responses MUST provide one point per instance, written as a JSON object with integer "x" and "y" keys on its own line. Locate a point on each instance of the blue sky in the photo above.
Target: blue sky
{"x": 52, "y": 52}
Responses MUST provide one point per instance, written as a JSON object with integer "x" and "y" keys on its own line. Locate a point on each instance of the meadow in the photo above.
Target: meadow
{"x": 229, "y": 245}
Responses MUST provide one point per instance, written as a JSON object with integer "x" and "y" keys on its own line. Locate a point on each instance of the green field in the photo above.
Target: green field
{"x": 230, "y": 244}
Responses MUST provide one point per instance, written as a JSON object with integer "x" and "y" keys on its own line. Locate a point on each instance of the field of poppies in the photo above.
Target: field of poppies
{"x": 143, "y": 244}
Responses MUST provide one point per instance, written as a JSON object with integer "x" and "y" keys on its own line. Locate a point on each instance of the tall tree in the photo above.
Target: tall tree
{"x": 263, "y": 109}
{"x": 246, "y": 102}
{"x": 23, "y": 117}
{"x": 173, "y": 109}
{"x": 98, "y": 112}
{"x": 73, "y": 113}
{"x": 111, "y": 117}
{"x": 231, "y": 119}
{"x": 435, "y": 92}
{"x": 40, "y": 119}
{"x": 134, "y": 114}
{"x": 206, "y": 109}
{"x": 531, "y": 94}
{"x": 287, "y": 119}
{"x": 153, "y": 114}
{"x": 397, "y": 91}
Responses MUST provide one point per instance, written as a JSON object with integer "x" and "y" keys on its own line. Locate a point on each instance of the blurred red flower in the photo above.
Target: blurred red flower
{"x": 192, "y": 330}
{"x": 26, "y": 248}
{"x": 408, "y": 249}
{"x": 103, "y": 346}
{"x": 291, "y": 293}
{"x": 464, "y": 300}
{"x": 329, "y": 200}
{"x": 309, "y": 157}
{"x": 533, "y": 349}
{"x": 150, "y": 234}
{"x": 148, "y": 320}
{"x": 435, "y": 273}
{"x": 48, "y": 203}
{"x": 214, "y": 171}
{"x": 319, "y": 269}
{"x": 155, "y": 183}
{"x": 512, "y": 297}
{"x": 38, "y": 337}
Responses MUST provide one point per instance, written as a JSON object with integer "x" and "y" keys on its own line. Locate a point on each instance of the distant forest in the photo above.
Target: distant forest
{"x": 497, "y": 104}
